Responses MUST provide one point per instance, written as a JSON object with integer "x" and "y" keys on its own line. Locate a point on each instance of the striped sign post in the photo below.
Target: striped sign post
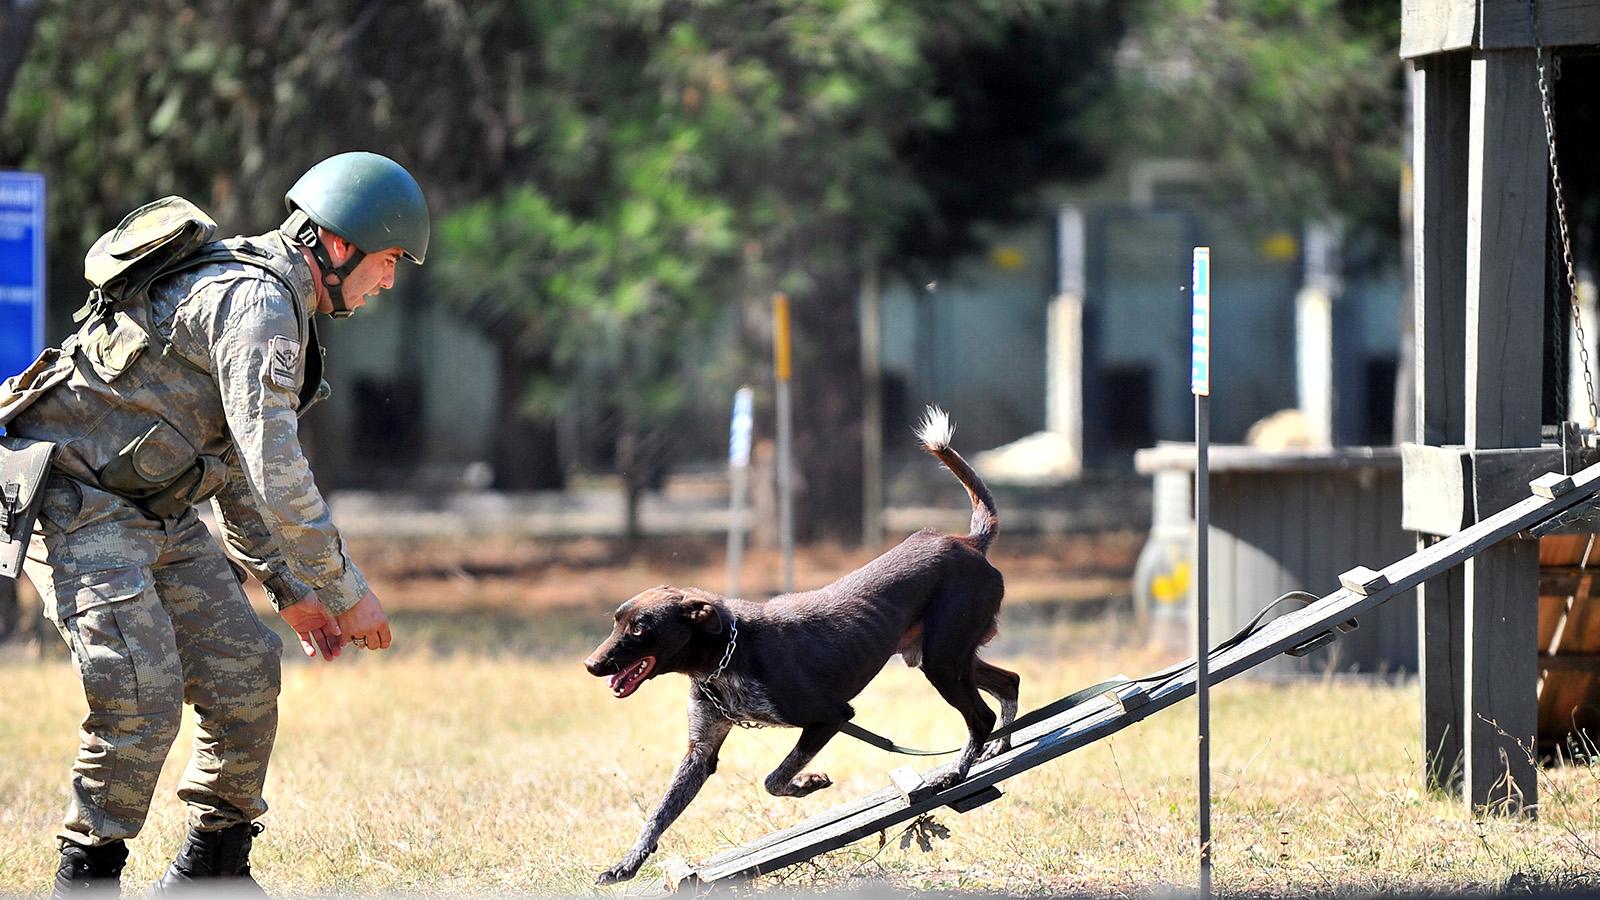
{"x": 1200, "y": 386}
{"x": 781, "y": 369}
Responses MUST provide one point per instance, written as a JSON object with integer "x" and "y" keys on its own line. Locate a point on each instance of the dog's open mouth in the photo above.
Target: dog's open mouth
{"x": 628, "y": 680}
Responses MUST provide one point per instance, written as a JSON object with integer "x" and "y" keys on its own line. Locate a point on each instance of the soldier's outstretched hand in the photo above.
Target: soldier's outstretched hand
{"x": 317, "y": 628}
{"x": 365, "y": 624}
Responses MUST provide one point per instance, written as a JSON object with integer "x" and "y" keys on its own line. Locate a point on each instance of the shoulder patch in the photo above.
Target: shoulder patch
{"x": 283, "y": 355}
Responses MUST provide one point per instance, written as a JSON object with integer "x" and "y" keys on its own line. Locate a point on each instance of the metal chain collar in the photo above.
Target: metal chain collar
{"x": 722, "y": 665}
{"x": 1546, "y": 106}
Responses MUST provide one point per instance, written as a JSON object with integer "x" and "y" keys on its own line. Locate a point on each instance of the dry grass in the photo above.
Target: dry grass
{"x": 471, "y": 773}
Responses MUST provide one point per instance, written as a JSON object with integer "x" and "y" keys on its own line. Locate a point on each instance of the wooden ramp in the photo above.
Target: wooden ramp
{"x": 1551, "y": 497}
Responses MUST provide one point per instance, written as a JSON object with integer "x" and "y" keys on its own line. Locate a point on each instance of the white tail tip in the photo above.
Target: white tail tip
{"x": 936, "y": 429}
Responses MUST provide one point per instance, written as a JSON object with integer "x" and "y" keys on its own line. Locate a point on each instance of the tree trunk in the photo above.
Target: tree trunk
{"x": 827, "y": 392}
{"x": 17, "y": 21}
{"x": 523, "y": 450}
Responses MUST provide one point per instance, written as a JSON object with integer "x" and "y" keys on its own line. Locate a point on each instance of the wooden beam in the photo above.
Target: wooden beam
{"x": 1440, "y": 98}
{"x": 1570, "y": 662}
{"x": 1563, "y": 581}
{"x": 1506, "y": 185}
{"x": 1508, "y": 24}
{"x": 1440, "y": 95}
{"x": 1435, "y": 26}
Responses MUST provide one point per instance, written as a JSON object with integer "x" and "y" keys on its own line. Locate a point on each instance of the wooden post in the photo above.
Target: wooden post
{"x": 1506, "y": 185}
{"x": 1440, "y": 91}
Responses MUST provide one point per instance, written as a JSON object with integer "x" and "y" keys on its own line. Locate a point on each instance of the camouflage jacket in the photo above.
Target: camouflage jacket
{"x": 209, "y": 408}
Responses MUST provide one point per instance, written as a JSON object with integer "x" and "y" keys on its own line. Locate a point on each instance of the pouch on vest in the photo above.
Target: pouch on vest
{"x": 161, "y": 472}
{"x": 24, "y": 465}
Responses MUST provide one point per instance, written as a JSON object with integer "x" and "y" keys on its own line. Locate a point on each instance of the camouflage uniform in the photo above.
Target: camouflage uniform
{"x": 149, "y": 604}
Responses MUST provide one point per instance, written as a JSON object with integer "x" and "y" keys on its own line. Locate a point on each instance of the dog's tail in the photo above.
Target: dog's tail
{"x": 935, "y": 432}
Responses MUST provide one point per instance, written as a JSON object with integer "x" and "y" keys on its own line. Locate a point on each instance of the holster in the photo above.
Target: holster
{"x": 24, "y": 466}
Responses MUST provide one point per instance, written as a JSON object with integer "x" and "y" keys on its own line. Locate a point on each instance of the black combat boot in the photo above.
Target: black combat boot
{"x": 211, "y": 861}
{"x": 90, "y": 871}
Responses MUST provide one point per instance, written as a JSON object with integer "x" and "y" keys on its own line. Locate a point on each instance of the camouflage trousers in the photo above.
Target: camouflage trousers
{"x": 154, "y": 616}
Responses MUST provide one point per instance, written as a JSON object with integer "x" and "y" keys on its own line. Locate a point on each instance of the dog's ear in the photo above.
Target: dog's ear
{"x": 704, "y": 616}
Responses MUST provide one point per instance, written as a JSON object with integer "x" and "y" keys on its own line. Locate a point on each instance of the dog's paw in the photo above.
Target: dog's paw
{"x": 993, "y": 749}
{"x": 622, "y": 871}
{"x": 809, "y": 783}
{"x": 943, "y": 778}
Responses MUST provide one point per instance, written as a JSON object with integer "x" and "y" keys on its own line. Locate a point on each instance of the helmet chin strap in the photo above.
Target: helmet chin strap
{"x": 304, "y": 232}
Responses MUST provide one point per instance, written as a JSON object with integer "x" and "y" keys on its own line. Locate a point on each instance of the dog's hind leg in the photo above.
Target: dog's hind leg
{"x": 1005, "y": 686}
{"x": 957, "y": 684}
{"x": 787, "y": 780}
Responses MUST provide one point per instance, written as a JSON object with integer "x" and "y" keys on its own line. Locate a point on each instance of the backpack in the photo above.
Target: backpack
{"x": 158, "y": 239}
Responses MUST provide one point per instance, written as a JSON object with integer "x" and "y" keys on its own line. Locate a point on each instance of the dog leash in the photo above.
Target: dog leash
{"x": 1044, "y": 712}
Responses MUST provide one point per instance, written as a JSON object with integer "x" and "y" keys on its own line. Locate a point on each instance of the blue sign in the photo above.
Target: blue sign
{"x": 22, "y": 271}
{"x": 1200, "y": 325}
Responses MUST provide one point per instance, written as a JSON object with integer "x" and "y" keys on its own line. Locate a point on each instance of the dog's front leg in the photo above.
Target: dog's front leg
{"x": 787, "y": 780}
{"x": 706, "y": 734}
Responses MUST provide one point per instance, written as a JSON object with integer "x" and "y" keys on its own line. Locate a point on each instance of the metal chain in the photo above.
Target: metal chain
{"x": 722, "y": 665}
{"x": 1546, "y": 106}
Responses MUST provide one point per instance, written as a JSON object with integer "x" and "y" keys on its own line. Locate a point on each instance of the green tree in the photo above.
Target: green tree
{"x": 693, "y": 158}
{"x": 1298, "y": 105}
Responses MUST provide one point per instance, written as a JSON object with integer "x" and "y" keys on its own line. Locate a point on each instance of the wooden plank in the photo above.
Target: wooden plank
{"x": 1431, "y": 26}
{"x": 1550, "y": 484}
{"x": 1362, "y": 580}
{"x": 1581, "y": 712}
{"x": 1441, "y": 637}
{"x": 1561, "y": 578}
{"x": 1572, "y": 707}
{"x": 1562, "y": 662}
{"x": 1506, "y": 187}
{"x": 1436, "y": 497}
{"x": 1502, "y": 677}
{"x": 1507, "y": 178}
{"x": 1560, "y": 581}
{"x": 1048, "y": 740}
{"x": 1580, "y": 522}
{"x": 1398, "y": 622}
{"x": 1500, "y": 477}
{"x": 1441, "y": 119}
{"x": 1507, "y": 24}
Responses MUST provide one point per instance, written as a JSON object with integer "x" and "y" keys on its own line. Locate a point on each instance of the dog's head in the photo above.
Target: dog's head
{"x": 658, "y": 630}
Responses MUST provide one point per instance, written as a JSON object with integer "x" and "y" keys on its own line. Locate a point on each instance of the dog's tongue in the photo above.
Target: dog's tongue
{"x": 628, "y": 680}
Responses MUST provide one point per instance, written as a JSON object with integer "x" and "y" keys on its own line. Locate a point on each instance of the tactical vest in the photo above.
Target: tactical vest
{"x": 131, "y": 413}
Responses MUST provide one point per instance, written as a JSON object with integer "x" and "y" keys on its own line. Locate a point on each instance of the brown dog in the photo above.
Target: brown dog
{"x": 798, "y": 659}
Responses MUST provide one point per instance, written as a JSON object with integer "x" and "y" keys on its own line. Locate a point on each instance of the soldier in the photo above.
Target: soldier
{"x": 192, "y": 394}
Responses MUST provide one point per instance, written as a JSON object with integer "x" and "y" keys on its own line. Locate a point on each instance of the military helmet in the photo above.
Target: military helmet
{"x": 367, "y": 199}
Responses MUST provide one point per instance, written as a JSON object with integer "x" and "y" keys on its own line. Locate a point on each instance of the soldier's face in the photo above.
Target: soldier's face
{"x": 373, "y": 274}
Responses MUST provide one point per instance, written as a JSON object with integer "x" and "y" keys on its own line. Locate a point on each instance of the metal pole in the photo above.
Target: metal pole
{"x": 1200, "y": 386}
{"x": 871, "y": 313}
{"x": 781, "y": 365}
{"x": 739, "y": 481}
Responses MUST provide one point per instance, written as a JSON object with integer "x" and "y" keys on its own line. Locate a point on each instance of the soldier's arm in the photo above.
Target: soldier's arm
{"x": 254, "y": 358}
{"x": 251, "y": 541}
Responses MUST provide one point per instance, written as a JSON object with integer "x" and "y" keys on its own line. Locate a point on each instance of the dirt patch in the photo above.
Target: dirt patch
{"x": 531, "y": 576}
